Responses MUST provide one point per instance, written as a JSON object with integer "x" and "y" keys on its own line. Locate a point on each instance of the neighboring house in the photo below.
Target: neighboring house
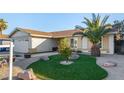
{"x": 30, "y": 41}
{"x": 4, "y": 41}
{"x": 2, "y": 38}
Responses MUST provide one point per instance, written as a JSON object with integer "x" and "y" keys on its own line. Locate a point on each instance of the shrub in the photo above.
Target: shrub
{"x": 64, "y": 49}
{"x": 63, "y": 43}
{"x": 66, "y": 53}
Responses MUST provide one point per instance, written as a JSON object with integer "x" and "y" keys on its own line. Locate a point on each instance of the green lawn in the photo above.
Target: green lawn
{"x": 84, "y": 68}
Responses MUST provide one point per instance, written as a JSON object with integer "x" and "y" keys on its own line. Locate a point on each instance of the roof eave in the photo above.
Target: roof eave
{"x": 45, "y": 36}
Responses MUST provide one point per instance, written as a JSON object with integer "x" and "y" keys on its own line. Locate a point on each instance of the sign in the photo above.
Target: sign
{"x": 10, "y": 57}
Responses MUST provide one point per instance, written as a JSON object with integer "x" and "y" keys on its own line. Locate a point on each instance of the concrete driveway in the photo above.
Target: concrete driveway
{"x": 25, "y": 62}
{"x": 114, "y": 73}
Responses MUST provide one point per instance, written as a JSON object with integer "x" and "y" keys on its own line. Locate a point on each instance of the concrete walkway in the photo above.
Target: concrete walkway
{"x": 114, "y": 73}
{"x": 44, "y": 54}
{"x": 24, "y": 63}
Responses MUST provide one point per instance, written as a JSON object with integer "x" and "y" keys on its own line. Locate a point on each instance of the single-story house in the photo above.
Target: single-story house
{"x": 27, "y": 40}
{"x": 30, "y": 41}
{"x": 4, "y": 41}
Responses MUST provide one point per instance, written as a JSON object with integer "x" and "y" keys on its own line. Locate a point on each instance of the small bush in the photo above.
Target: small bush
{"x": 63, "y": 43}
{"x": 64, "y": 49}
{"x": 66, "y": 53}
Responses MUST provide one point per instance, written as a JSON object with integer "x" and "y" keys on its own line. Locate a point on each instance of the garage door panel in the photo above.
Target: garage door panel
{"x": 21, "y": 46}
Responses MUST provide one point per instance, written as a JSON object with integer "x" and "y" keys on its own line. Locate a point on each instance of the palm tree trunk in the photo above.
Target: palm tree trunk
{"x": 95, "y": 50}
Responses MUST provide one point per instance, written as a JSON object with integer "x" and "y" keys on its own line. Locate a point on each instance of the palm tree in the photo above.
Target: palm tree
{"x": 96, "y": 28}
{"x": 3, "y": 25}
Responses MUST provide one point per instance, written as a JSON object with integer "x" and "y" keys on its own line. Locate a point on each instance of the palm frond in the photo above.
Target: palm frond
{"x": 93, "y": 17}
{"x": 87, "y": 22}
{"x": 79, "y": 27}
{"x": 104, "y": 20}
{"x": 96, "y": 28}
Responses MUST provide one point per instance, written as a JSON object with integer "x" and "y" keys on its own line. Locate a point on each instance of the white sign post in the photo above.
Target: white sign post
{"x": 10, "y": 58}
{"x": 11, "y": 61}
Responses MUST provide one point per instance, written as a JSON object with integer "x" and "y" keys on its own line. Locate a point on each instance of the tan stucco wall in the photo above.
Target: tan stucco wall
{"x": 104, "y": 48}
{"x": 89, "y": 44}
{"x": 69, "y": 40}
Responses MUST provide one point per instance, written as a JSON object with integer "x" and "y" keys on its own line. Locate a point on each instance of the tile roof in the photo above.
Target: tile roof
{"x": 65, "y": 33}
{"x": 35, "y": 32}
{"x": 56, "y": 34}
{"x": 3, "y": 36}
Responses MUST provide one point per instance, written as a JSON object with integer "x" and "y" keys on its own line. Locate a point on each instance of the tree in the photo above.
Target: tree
{"x": 94, "y": 31}
{"x": 3, "y": 25}
{"x": 119, "y": 26}
{"x": 64, "y": 49}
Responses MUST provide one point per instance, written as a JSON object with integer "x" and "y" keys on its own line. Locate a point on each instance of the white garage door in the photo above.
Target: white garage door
{"x": 21, "y": 46}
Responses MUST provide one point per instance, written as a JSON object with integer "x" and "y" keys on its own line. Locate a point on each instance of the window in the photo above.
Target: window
{"x": 73, "y": 43}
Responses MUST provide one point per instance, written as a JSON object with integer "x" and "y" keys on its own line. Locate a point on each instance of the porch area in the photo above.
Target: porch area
{"x": 83, "y": 44}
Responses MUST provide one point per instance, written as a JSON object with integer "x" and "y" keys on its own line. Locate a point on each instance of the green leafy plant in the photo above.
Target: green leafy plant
{"x": 66, "y": 53}
{"x": 64, "y": 49}
{"x": 63, "y": 43}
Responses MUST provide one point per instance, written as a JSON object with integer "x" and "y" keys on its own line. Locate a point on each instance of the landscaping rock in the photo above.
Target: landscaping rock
{"x": 110, "y": 64}
{"x": 66, "y": 63}
{"x": 26, "y": 75}
{"x": 45, "y": 58}
{"x": 3, "y": 62}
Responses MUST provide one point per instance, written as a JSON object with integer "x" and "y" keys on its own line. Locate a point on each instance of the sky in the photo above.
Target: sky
{"x": 50, "y": 21}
